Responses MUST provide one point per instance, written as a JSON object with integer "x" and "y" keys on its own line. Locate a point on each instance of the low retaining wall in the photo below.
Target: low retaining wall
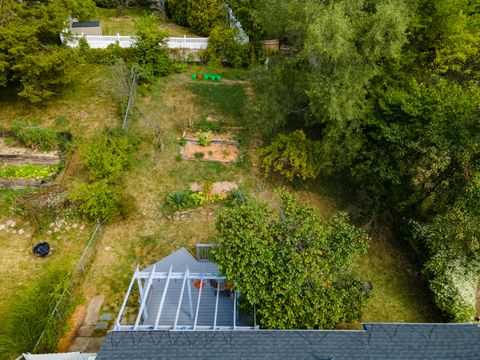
{"x": 42, "y": 160}
{"x": 17, "y": 184}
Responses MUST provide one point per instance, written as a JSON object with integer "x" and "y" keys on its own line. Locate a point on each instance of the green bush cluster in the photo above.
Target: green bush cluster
{"x": 200, "y": 15}
{"x": 109, "y": 56}
{"x": 27, "y": 171}
{"x": 106, "y": 4}
{"x": 292, "y": 156}
{"x": 35, "y": 136}
{"x": 108, "y": 155}
{"x": 453, "y": 282}
{"x": 204, "y": 138}
{"x": 187, "y": 199}
{"x": 103, "y": 200}
{"x": 223, "y": 45}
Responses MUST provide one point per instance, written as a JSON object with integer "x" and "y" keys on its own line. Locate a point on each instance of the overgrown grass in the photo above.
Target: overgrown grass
{"x": 228, "y": 99}
{"x": 88, "y": 105}
{"x": 30, "y": 315}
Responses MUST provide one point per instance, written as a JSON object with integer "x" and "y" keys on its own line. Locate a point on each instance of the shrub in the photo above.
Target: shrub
{"x": 27, "y": 171}
{"x": 151, "y": 53}
{"x": 223, "y": 44}
{"x": 454, "y": 284}
{"x": 204, "y": 14}
{"x": 180, "y": 200}
{"x": 109, "y": 56}
{"x": 178, "y": 10}
{"x": 107, "y": 156}
{"x": 101, "y": 200}
{"x": 183, "y": 141}
{"x": 204, "y": 138}
{"x": 236, "y": 198}
{"x": 187, "y": 199}
{"x": 35, "y": 136}
{"x": 106, "y": 4}
{"x": 199, "y": 155}
{"x": 292, "y": 156}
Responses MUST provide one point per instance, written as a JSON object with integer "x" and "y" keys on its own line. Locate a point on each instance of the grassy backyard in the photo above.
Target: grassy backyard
{"x": 112, "y": 24}
{"x": 149, "y": 234}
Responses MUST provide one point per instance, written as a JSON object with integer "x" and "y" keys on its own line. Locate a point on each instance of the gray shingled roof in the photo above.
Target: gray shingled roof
{"x": 377, "y": 341}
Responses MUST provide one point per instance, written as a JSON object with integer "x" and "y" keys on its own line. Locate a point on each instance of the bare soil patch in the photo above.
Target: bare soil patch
{"x": 221, "y": 188}
{"x": 218, "y": 152}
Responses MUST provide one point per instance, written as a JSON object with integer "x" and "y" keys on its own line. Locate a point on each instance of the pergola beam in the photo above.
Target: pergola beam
{"x": 162, "y": 301}
{"x": 216, "y": 305}
{"x": 180, "y": 300}
{"x": 179, "y": 275}
{"x": 234, "y": 309}
{"x": 145, "y": 296}
{"x": 198, "y": 302}
{"x": 124, "y": 304}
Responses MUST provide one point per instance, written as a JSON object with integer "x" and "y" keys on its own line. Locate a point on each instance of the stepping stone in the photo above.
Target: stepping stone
{"x": 94, "y": 310}
{"x": 85, "y": 330}
{"x": 106, "y": 317}
{"x": 101, "y": 325}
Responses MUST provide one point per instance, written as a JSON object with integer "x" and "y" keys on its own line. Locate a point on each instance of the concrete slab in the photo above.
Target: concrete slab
{"x": 80, "y": 344}
{"x": 85, "y": 330}
{"x": 94, "y": 345}
{"x": 94, "y": 310}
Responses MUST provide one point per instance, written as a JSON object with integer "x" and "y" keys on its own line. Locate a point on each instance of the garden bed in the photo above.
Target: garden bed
{"x": 219, "y": 149}
{"x": 19, "y": 155}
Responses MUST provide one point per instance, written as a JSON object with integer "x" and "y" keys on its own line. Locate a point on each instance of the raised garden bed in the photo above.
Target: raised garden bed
{"x": 20, "y": 155}
{"x": 220, "y": 149}
{"x": 22, "y": 167}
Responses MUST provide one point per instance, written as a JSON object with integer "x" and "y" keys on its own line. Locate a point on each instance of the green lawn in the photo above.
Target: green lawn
{"x": 112, "y": 24}
{"x": 398, "y": 293}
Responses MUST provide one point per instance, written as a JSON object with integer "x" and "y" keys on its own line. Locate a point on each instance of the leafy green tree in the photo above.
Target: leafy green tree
{"x": 421, "y": 144}
{"x": 151, "y": 53}
{"x": 292, "y": 156}
{"x": 289, "y": 266}
{"x": 32, "y": 62}
{"x": 223, "y": 44}
{"x": 178, "y": 11}
{"x": 204, "y": 14}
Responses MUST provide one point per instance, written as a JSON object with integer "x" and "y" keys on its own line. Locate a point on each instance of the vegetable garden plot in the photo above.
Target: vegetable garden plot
{"x": 216, "y": 149}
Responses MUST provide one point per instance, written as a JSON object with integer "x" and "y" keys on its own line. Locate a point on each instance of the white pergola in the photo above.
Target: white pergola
{"x": 145, "y": 279}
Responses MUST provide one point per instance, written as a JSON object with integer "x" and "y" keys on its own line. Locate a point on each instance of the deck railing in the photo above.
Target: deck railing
{"x": 203, "y": 252}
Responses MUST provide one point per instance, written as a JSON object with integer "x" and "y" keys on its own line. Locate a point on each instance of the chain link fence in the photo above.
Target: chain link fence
{"x": 64, "y": 306}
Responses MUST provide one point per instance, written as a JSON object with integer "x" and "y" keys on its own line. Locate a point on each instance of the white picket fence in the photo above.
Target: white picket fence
{"x": 102, "y": 42}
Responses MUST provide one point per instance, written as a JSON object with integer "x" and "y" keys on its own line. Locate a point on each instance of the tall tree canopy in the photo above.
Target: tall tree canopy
{"x": 389, "y": 90}
{"x": 289, "y": 265}
{"x": 32, "y": 60}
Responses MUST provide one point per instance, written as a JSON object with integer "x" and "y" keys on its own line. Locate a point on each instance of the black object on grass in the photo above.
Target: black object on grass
{"x": 42, "y": 249}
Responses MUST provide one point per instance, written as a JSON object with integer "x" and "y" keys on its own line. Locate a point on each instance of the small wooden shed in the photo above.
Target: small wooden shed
{"x": 86, "y": 28}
